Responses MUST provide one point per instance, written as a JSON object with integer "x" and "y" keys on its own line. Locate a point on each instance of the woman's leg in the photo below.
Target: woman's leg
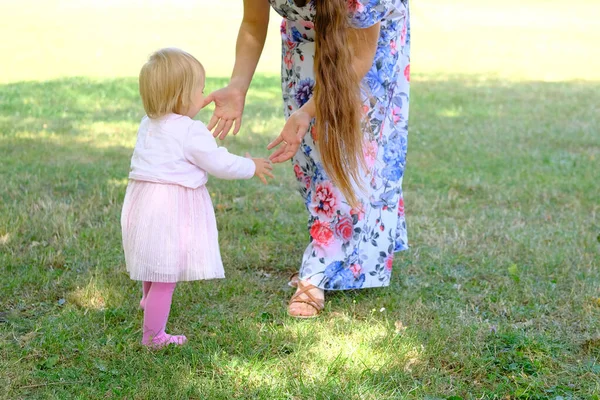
{"x": 300, "y": 304}
{"x": 156, "y": 314}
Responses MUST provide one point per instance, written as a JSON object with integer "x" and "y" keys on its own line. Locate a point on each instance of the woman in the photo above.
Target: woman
{"x": 345, "y": 81}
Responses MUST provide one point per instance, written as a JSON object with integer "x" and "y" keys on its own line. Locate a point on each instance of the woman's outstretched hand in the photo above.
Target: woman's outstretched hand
{"x": 290, "y": 137}
{"x": 229, "y": 107}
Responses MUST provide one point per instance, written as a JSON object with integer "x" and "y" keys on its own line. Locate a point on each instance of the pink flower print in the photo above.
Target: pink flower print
{"x": 396, "y": 114}
{"x": 389, "y": 262}
{"x": 365, "y": 109}
{"x": 355, "y": 6}
{"x": 401, "y": 207}
{"x": 290, "y": 44}
{"x": 356, "y": 270}
{"x": 359, "y": 212}
{"x": 321, "y": 233}
{"x": 370, "y": 153}
{"x": 324, "y": 202}
{"x": 393, "y": 48}
{"x": 344, "y": 228}
{"x": 288, "y": 59}
{"x": 403, "y": 35}
{"x": 307, "y": 181}
{"x": 307, "y": 24}
{"x": 298, "y": 172}
{"x": 407, "y": 72}
{"x": 313, "y": 133}
{"x": 374, "y": 180}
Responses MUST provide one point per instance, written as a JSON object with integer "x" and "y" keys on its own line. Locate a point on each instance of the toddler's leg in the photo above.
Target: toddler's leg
{"x": 145, "y": 290}
{"x": 156, "y": 314}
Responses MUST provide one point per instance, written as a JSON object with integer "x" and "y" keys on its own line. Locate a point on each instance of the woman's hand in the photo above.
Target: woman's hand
{"x": 229, "y": 101}
{"x": 229, "y": 107}
{"x": 291, "y": 136}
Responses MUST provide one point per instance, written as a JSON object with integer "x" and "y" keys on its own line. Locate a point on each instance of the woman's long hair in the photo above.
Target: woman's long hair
{"x": 337, "y": 98}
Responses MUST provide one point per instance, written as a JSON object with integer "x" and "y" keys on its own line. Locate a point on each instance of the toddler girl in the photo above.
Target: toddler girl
{"x": 168, "y": 222}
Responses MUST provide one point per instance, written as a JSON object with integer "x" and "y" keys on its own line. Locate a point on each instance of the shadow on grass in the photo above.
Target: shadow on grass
{"x": 501, "y": 199}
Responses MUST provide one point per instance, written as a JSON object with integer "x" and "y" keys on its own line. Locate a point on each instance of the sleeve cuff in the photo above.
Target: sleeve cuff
{"x": 251, "y": 168}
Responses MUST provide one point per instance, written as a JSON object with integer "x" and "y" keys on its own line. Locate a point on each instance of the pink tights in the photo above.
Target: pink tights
{"x": 156, "y": 303}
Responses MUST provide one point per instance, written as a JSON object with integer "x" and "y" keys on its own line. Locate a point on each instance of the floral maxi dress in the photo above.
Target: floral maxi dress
{"x": 353, "y": 248}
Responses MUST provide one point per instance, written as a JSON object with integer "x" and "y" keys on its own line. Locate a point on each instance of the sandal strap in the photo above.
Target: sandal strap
{"x": 314, "y": 305}
{"x": 317, "y": 304}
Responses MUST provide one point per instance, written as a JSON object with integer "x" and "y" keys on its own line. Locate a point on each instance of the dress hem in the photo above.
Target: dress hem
{"x": 177, "y": 280}
{"x": 364, "y": 287}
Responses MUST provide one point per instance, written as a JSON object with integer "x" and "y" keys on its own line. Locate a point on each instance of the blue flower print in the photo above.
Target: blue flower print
{"x": 344, "y": 279}
{"x": 333, "y": 269}
{"x": 394, "y": 150}
{"x": 304, "y": 91}
{"x": 375, "y": 82}
{"x": 392, "y": 173}
{"x": 306, "y": 149}
{"x": 296, "y": 35}
{"x": 319, "y": 173}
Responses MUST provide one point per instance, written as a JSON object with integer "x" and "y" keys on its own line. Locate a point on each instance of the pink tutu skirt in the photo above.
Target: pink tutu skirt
{"x": 170, "y": 233}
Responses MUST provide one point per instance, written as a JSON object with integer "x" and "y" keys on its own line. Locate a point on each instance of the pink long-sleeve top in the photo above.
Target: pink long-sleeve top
{"x": 175, "y": 149}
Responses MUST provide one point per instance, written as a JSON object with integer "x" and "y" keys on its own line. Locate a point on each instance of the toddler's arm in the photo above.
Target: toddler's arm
{"x": 201, "y": 149}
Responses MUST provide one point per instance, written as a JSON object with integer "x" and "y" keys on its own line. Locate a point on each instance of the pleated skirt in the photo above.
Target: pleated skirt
{"x": 170, "y": 233}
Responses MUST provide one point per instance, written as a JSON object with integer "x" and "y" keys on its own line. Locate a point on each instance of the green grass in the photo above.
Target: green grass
{"x": 497, "y": 298}
{"x": 498, "y": 295}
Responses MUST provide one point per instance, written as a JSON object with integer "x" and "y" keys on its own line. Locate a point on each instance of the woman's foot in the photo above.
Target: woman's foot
{"x": 164, "y": 339}
{"x": 294, "y": 279}
{"x": 307, "y": 302}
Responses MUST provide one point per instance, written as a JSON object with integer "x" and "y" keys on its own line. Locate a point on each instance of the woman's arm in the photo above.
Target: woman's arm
{"x": 250, "y": 42}
{"x": 229, "y": 101}
{"x": 364, "y": 46}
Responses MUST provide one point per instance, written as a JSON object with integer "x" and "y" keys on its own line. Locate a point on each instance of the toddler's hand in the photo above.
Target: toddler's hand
{"x": 263, "y": 168}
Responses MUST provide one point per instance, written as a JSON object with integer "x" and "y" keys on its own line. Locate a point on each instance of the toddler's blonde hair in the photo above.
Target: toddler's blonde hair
{"x": 168, "y": 81}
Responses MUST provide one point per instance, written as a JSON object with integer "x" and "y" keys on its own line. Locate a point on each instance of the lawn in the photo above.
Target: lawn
{"x": 498, "y": 297}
